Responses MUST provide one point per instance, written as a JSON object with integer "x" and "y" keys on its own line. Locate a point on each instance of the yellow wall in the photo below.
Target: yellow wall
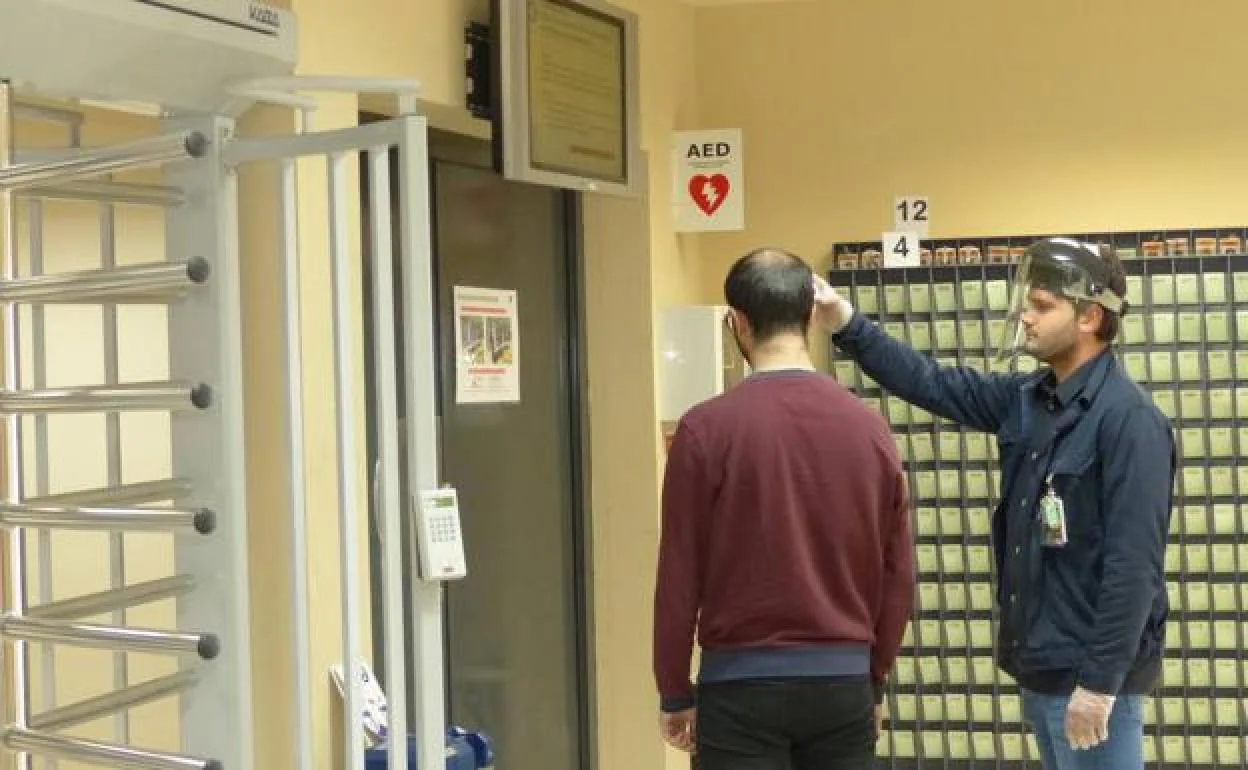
{"x": 1014, "y": 118}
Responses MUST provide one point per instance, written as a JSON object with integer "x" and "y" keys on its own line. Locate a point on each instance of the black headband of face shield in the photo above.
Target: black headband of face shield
{"x": 1056, "y": 263}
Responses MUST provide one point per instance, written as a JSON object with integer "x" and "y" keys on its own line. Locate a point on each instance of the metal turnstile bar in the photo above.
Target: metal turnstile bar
{"x": 329, "y": 142}
{"x": 97, "y": 162}
{"x": 348, "y": 456}
{"x": 162, "y": 279}
{"x": 124, "y": 494}
{"x": 94, "y": 752}
{"x": 429, "y": 709}
{"x": 199, "y": 520}
{"x": 206, "y": 646}
{"x": 388, "y": 498}
{"x": 296, "y": 475}
{"x": 91, "y": 709}
{"x": 107, "y": 192}
{"x": 135, "y": 396}
{"x": 39, "y": 380}
{"x": 15, "y": 659}
{"x": 112, "y": 440}
{"x": 114, "y": 599}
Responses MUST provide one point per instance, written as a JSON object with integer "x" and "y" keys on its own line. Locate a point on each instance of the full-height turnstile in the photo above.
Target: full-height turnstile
{"x": 202, "y": 503}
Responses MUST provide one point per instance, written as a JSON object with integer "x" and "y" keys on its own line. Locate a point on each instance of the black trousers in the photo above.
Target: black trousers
{"x": 786, "y": 724}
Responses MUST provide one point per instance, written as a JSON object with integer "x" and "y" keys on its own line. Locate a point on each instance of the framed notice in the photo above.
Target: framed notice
{"x": 487, "y": 346}
{"x": 567, "y": 97}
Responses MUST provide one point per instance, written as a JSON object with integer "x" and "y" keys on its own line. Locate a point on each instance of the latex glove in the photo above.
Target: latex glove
{"x": 1087, "y": 718}
{"x": 832, "y": 311}
{"x": 679, "y": 729}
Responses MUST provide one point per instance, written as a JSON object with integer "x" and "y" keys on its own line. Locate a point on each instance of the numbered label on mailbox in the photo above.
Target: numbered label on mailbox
{"x": 901, "y": 249}
{"x": 911, "y": 214}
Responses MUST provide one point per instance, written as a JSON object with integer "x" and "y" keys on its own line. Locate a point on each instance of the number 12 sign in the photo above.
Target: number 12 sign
{"x": 911, "y": 214}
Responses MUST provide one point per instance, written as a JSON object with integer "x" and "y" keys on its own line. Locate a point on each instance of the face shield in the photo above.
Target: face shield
{"x": 1068, "y": 269}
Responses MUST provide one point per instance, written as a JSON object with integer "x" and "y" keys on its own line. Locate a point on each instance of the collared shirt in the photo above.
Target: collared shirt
{"x": 1052, "y": 397}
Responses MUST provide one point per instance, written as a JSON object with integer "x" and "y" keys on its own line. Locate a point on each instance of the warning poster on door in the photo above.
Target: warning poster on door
{"x": 487, "y": 339}
{"x": 709, "y": 181}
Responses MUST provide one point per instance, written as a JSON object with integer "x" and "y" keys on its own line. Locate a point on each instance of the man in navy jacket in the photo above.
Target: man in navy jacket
{"x": 1088, "y": 466}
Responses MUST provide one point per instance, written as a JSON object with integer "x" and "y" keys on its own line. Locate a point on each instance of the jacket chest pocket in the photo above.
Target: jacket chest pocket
{"x": 1012, "y": 452}
{"x": 1076, "y": 481}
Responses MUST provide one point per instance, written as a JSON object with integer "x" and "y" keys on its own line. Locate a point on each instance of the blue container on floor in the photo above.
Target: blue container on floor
{"x": 464, "y": 751}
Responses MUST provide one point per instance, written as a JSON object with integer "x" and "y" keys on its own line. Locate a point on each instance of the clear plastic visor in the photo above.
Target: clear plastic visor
{"x": 1061, "y": 277}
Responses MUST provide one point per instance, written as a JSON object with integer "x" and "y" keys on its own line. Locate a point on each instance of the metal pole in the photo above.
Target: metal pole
{"x": 39, "y": 356}
{"x": 206, "y": 646}
{"x": 422, "y": 436}
{"x": 93, "y": 752}
{"x": 136, "y": 396}
{"x": 201, "y": 521}
{"x": 15, "y": 559}
{"x": 112, "y": 438}
{"x": 344, "y": 358}
{"x": 98, "y": 162}
{"x": 297, "y": 490}
{"x": 94, "y": 286}
{"x": 121, "y": 701}
{"x": 388, "y": 426}
{"x": 114, "y": 599}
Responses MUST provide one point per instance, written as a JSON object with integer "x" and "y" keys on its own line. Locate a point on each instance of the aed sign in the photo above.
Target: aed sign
{"x": 709, "y": 189}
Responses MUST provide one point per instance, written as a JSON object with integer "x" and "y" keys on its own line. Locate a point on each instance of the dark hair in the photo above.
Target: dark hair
{"x": 774, "y": 290}
{"x": 1117, "y": 283}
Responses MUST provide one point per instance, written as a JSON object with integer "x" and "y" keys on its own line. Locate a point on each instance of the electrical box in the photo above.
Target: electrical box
{"x": 698, "y": 359}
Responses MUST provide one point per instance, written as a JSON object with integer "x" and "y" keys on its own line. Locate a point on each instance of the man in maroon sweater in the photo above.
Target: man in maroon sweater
{"x": 786, "y": 546}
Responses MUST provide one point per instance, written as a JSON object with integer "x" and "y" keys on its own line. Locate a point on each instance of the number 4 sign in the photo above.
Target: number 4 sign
{"x": 911, "y": 214}
{"x": 901, "y": 249}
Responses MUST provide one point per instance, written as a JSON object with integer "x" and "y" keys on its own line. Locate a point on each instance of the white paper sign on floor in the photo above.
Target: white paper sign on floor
{"x": 709, "y": 180}
{"x": 487, "y": 344}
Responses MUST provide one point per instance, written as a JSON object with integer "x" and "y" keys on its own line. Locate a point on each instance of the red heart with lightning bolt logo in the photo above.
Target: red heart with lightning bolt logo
{"x": 709, "y": 192}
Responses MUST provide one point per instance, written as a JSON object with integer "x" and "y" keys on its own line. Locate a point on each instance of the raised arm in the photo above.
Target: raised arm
{"x": 964, "y": 395}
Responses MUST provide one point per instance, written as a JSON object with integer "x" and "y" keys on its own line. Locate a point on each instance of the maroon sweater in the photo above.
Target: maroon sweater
{"x": 785, "y": 538}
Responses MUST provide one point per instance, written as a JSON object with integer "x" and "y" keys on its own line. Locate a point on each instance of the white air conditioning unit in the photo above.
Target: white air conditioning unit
{"x": 178, "y": 55}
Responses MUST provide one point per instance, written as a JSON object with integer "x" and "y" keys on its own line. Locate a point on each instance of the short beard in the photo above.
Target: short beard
{"x": 1055, "y": 349}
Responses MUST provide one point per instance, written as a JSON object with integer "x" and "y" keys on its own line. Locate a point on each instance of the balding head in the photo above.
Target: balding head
{"x": 774, "y": 290}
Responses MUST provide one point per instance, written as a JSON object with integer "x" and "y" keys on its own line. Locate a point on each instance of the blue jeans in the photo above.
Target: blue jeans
{"x": 1046, "y": 714}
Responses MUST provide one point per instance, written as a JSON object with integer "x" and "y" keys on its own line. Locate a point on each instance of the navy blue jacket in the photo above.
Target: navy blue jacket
{"x": 1091, "y": 613}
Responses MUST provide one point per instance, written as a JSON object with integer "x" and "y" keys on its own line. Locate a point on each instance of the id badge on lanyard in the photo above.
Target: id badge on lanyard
{"x": 1052, "y": 517}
